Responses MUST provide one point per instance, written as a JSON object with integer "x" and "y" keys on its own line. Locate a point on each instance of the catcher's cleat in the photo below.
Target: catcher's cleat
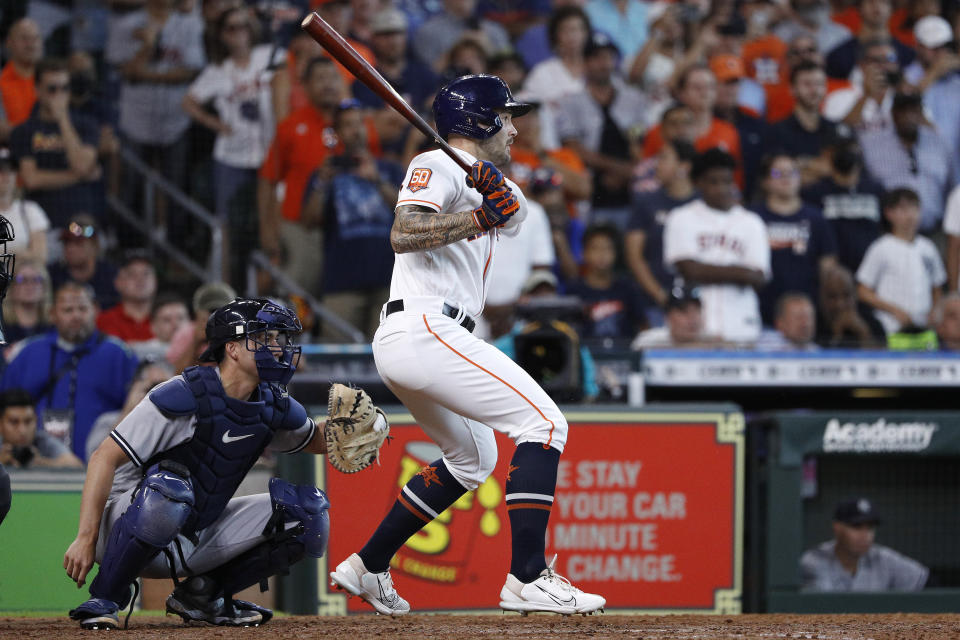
{"x": 551, "y": 593}
{"x": 199, "y": 607}
{"x": 376, "y": 588}
{"x": 97, "y": 613}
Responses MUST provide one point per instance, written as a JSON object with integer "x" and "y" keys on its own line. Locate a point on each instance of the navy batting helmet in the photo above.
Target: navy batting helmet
{"x": 255, "y": 319}
{"x": 468, "y": 106}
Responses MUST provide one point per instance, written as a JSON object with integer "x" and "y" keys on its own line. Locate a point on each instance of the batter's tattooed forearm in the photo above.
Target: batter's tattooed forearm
{"x": 417, "y": 228}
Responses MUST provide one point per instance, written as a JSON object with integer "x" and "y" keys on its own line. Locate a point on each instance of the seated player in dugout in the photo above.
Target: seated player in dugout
{"x": 158, "y": 496}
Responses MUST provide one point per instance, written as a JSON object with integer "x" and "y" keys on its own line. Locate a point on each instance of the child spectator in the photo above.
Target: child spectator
{"x": 902, "y": 273}
{"x": 168, "y": 314}
{"x": 21, "y": 444}
{"x": 136, "y": 283}
{"x": 715, "y": 243}
{"x": 613, "y": 304}
{"x": 801, "y": 243}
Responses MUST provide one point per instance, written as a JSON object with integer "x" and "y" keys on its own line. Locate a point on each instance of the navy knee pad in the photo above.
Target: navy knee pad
{"x": 160, "y": 507}
{"x": 308, "y": 506}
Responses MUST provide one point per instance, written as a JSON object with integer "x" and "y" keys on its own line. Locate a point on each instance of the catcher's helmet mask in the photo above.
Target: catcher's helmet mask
{"x": 267, "y": 329}
{"x": 470, "y": 106}
{"x": 7, "y": 263}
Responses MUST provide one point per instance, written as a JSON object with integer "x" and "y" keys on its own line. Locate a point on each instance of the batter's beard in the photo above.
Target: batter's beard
{"x": 499, "y": 157}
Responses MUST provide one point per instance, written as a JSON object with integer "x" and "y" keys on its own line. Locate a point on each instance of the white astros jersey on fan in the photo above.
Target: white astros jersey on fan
{"x": 457, "y": 272}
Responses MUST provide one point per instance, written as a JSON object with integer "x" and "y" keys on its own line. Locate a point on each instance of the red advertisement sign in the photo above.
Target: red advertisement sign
{"x": 646, "y": 513}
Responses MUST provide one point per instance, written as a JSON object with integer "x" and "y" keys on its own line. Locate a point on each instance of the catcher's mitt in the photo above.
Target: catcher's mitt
{"x": 354, "y": 433}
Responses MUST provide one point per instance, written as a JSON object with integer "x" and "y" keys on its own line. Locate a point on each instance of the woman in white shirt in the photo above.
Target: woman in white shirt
{"x": 238, "y": 85}
{"x": 563, "y": 73}
{"x": 30, "y": 223}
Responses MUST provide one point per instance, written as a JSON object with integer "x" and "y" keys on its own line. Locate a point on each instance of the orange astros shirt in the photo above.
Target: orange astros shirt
{"x": 19, "y": 94}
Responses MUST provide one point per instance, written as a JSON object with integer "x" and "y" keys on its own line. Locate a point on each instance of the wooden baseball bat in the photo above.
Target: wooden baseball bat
{"x": 346, "y": 55}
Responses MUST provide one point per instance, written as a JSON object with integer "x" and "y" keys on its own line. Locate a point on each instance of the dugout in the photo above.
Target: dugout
{"x": 906, "y": 462}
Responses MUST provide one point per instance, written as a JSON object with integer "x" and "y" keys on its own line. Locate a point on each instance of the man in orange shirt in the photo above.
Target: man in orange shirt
{"x": 780, "y": 101}
{"x": 697, "y": 89}
{"x": 24, "y": 49}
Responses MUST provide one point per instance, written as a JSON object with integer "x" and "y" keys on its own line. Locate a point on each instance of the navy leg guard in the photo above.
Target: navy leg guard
{"x": 303, "y": 504}
{"x": 5, "y": 494}
{"x": 306, "y": 505}
{"x": 160, "y": 507}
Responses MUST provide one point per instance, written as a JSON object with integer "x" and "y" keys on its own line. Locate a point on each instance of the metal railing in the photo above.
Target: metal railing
{"x": 155, "y": 183}
{"x": 259, "y": 260}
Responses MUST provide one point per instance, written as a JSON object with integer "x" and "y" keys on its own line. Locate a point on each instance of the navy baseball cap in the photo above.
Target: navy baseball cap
{"x": 856, "y": 511}
{"x": 681, "y": 296}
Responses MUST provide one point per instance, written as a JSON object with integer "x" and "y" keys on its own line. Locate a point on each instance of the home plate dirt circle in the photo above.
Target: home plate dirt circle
{"x": 512, "y": 626}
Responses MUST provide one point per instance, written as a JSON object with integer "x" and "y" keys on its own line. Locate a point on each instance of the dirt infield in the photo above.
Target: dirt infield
{"x": 425, "y": 626}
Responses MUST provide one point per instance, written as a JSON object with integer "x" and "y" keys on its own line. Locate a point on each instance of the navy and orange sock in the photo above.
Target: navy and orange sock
{"x": 423, "y": 498}
{"x": 531, "y": 482}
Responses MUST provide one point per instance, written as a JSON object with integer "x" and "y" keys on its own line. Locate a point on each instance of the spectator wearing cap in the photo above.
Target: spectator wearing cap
{"x": 684, "y": 324}
{"x": 351, "y": 198}
{"x": 852, "y": 561}
{"x": 518, "y": 257}
{"x": 437, "y": 35}
{"x": 412, "y": 79}
{"x": 804, "y": 134}
{"x": 596, "y": 124}
{"x": 842, "y": 321}
{"x": 625, "y": 21}
{"x": 716, "y": 244}
{"x": 56, "y": 150}
{"x": 24, "y": 48}
{"x": 30, "y": 222}
{"x": 730, "y": 75}
{"x": 697, "y": 90}
{"x": 801, "y": 243}
{"x": 168, "y": 314}
{"x": 237, "y": 85}
{"x": 136, "y": 282}
{"x": 190, "y": 339}
{"x": 83, "y": 262}
{"x": 849, "y": 199}
{"x": 545, "y": 186}
{"x": 874, "y": 25}
{"x": 75, "y": 373}
{"x": 940, "y": 84}
{"x": 794, "y": 325}
{"x": 643, "y": 243}
{"x": 866, "y": 106}
{"x": 22, "y": 445}
{"x": 26, "y": 309}
{"x": 912, "y": 155}
{"x": 613, "y": 304}
{"x": 303, "y": 141}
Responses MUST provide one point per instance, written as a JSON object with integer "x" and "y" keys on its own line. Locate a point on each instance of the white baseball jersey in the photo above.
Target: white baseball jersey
{"x": 458, "y": 272}
{"x": 902, "y": 273}
{"x": 735, "y": 238}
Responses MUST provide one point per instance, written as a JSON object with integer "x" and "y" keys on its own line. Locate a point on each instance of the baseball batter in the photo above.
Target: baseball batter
{"x": 458, "y": 387}
{"x": 158, "y": 496}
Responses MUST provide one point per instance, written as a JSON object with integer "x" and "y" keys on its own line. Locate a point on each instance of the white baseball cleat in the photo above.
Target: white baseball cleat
{"x": 550, "y": 593}
{"x": 376, "y": 588}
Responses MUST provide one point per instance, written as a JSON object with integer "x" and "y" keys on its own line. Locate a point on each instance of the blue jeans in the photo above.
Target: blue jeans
{"x": 227, "y": 180}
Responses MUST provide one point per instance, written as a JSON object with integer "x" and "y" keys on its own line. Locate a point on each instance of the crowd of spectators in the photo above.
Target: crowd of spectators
{"x": 772, "y": 175}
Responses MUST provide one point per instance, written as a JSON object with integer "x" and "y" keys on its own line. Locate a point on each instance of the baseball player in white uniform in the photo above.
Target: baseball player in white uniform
{"x": 716, "y": 244}
{"x": 458, "y": 387}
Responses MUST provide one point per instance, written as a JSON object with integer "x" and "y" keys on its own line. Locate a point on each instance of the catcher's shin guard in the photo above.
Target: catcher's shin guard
{"x": 160, "y": 507}
{"x": 306, "y": 505}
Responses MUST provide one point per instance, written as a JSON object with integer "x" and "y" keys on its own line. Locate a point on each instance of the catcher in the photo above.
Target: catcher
{"x": 158, "y": 496}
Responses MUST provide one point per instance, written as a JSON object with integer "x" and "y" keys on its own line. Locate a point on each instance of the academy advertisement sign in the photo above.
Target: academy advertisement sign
{"x": 647, "y": 513}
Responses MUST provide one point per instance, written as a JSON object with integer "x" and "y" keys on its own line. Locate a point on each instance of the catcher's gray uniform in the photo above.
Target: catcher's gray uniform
{"x": 143, "y": 434}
